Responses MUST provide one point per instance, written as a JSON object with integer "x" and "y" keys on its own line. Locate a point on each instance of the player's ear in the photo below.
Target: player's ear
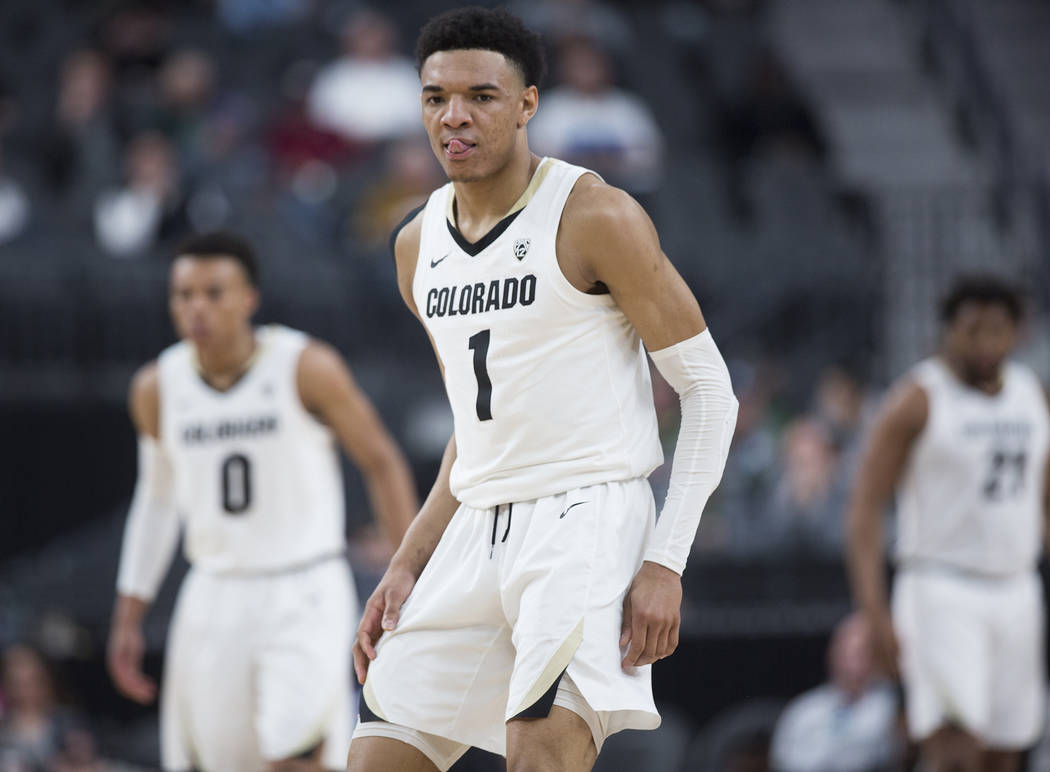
{"x": 253, "y": 300}
{"x": 530, "y": 99}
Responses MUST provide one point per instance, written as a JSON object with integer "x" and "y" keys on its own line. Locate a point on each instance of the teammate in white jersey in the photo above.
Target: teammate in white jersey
{"x": 533, "y": 591}
{"x": 237, "y": 430}
{"x": 963, "y": 438}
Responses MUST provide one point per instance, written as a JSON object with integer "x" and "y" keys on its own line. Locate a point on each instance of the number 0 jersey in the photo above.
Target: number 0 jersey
{"x": 972, "y": 491}
{"x": 257, "y": 478}
{"x": 549, "y": 386}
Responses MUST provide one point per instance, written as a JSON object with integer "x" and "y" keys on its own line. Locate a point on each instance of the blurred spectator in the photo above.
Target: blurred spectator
{"x": 187, "y": 88}
{"x": 556, "y": 19}
{"x": 766, "y": 117}
{"x": 805, "y": 512}
{"x": 840, "y": 403}
{"x": 14, "y": 206}
{"x": 750, "y": 469}
{"x": 410, "y": 173}
{"x": 81, "y": 151}
{"x": 9, "y": 107}
{"x": 769, "y": 114}
{"x": 736, "y": 740}
{"x": 370, "y": 93}
{"x": 589, "y": 121}
{"x": 136, "y": 40}
{"x": 35, "y": 733}
{"x": 243, "y": 16}
{"x": 848, "y": 724}
{"x": 151, "y": 205}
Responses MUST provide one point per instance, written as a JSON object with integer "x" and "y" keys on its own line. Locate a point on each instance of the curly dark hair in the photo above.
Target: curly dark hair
{"x": 986, "y": 289}
{"x": 215, "y": 244}
{"x": 492, "y": 30}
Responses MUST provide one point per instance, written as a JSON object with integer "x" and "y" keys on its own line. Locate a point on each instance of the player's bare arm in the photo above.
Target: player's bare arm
{"x": 328, "y": 390}
{"x": 127, "y": 643}
{"x": 382, "y": 609}
{"x": 893, "y": 435}
{"x": 606, "y": 242}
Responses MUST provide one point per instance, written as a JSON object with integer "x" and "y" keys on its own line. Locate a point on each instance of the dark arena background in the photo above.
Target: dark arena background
{"x": 818, "y": 170}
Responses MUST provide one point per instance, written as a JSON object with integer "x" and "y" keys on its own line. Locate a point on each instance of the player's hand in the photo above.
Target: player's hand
{"x": 652, "y": 614}
{"x": 884, "y": 640}
{"x": 380, "y": 615}
{"x": 127, "y": 647}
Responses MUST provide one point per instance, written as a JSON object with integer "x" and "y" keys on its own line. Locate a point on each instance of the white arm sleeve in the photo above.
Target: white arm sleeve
{"x": 695, "y": 369}
{"x": 152, "y": 530}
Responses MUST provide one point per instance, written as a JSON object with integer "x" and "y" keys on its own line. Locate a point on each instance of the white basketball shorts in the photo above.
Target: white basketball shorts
{"x": 512, "y": 598}
{"x": 258, "y": 669}
{"x": 972, "y": 654}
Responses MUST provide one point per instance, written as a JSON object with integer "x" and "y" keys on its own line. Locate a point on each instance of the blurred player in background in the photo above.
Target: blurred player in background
{"x": 963, "y": 439}
{"x": 236, "y": 427}
{"x": 540, "y": 589}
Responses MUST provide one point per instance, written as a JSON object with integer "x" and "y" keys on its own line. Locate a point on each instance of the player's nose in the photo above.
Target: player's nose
{"x": 456, "y": 114}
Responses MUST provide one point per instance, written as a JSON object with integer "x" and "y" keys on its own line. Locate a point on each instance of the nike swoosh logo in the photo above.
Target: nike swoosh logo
{"x": 436, "y": 263}
{"x": 563, "y": 514}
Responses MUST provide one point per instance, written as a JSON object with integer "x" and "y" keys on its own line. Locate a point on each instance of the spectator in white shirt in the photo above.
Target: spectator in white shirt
{"x": 590, "y": 122}
{"x": 370, "y": 93}
{"x": 847, "y": 725}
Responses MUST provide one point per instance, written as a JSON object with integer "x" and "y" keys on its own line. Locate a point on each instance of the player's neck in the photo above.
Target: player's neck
{"x": 990, "y": 386}
{"x": 481, "y": 204}
{"x": 222, "y": 366}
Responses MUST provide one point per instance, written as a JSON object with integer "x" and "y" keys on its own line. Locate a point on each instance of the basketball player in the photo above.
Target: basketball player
{"x": 532, "y": 593}
{"x": 236, "y": 428}
{"x": 963, "y": 440}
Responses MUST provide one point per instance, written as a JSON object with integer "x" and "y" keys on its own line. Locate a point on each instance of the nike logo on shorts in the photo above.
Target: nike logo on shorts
{"x": 563, "y": 514}
{"x": 439, "y": 261}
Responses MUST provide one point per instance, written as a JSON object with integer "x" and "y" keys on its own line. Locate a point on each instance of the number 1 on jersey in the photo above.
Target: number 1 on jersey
{"x": 479, "y": 344}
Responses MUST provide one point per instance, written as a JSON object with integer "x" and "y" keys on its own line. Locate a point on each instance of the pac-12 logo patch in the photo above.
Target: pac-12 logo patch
{"x": 521, "y": 248}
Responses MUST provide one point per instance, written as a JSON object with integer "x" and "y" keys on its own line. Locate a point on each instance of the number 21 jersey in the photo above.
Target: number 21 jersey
{"x": 972, "y": 491}
{"x": 549, "y": 386}
{"x": 257, "y": 479}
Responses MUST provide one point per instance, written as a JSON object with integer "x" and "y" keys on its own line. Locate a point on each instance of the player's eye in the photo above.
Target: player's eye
{"x": 434, "y": 100}
{"x": 214, "y": 293}
{"x": 483, "y": 97}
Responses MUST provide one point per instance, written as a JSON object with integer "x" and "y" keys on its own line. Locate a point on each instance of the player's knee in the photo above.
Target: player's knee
{"x": 952, "y": 749}
{"x": 538, "y": 759}
{"x": 557, "y": 751}
{"x": 294, "y": 765}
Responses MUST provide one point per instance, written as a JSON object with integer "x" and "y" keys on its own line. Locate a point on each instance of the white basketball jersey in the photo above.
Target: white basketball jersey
{"x": 549, "y": 386}
{"x": 257, "y": 478}
{"x": 972, "y": 492}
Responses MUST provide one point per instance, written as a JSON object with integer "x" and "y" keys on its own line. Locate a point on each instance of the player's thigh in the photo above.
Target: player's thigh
{"x": 577, "y": 557}
{"x": 951, "y": 749}
{"x": 1018, "y": 691}
{"x": 384, "y": 754}
{"x": 1002, "y": 761}
{"x": 561, "y": 742}
{"x": 391, "y": 748}
{"x": 303, "y": 664}
{"x": 208, "y": 707}
{"x": 945, "y": 652}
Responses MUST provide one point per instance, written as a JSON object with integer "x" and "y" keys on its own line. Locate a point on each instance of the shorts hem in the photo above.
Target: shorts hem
{"x": 412, "y": 737}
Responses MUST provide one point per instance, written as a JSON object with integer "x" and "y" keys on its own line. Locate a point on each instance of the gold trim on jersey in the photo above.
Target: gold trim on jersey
{"x": 538, "y": 177}
{"x": 555, "y": 667}
{"x": 249, "y": 363}
{"x": 370, "y": 698}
